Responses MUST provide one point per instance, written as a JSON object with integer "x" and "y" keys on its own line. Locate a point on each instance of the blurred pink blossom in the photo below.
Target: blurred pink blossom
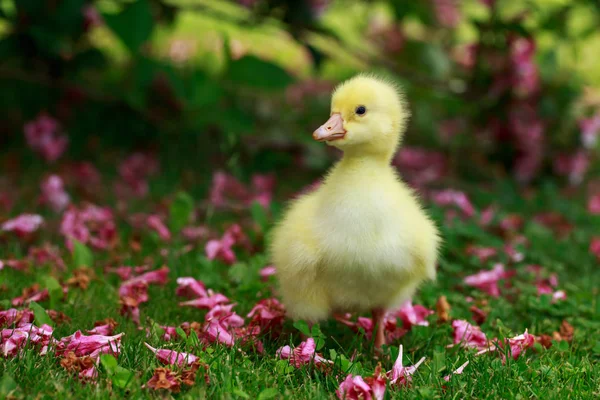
{"x": 413, "y": 315}
{"x": 14, "y": 316}
{"x": 267, "y": 271}
{"x": 54, "y": 194}
{"x": 482, "y": 253}
{"x": 525, "y": 72}
{"x": 155, "y": 223}
{"x": 46, "y": 254}
{"x": 590, "y": 130}
{"x": 593, "y": 205}
{"x": 190, "y": 288}
{"x": 226, "y": 191}
{"x": 224, "y": 314}
{"x": 450, "y": 197}
{"x": 208, "y": 302}
{"x": 91, "y": 225}
{"x": 487, "y": 281}
{"x": 595, "y": 247}
{"x": 573, "y": 166}
{"x": 23, "y": 225}
{"x": 44, "y": 136}
{"x": 447, "y": 12}
{"x": 420, "y": 166}
{"x": 268, "y": 314}
{"x": 222, "y": 249}
{"x": 13, "y": 340}
{"x": 134, "y": 172}
{"x": 91, "y": 17}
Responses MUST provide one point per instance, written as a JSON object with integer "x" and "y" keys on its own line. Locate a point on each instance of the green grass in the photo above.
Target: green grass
{"x": 563, "y": 371}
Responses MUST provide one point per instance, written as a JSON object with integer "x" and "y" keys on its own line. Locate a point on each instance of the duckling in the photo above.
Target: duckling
{"x": 361, "y": 241}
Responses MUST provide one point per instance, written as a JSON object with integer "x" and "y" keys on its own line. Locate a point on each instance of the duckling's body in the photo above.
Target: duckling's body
{"x": 361, "y": 241}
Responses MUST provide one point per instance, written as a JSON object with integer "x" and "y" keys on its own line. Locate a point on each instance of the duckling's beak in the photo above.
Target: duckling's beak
{"x": 333, "y": 129}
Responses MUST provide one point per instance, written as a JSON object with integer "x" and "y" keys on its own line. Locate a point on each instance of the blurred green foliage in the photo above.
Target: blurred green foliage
{"x": 242, "y": 83}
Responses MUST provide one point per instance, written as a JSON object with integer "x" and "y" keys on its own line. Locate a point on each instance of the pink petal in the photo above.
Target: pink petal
{"x": 413, "y": 315}
{"x": 23, "y": 224}
{"x": 206, "y": 302}
{"x": 458, "y": 371}
{"x": 468, "y": 335}
{"x": 154, "y": 222}
{"x": 172, "y": 357}
{"x": 190, "y": 287}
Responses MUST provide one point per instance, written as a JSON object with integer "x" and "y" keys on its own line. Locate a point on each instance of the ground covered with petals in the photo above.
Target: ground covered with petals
{"x": 133, "y": 284}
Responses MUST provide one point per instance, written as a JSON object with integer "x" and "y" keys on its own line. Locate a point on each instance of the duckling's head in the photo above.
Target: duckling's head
{"x": 368, "y": 117}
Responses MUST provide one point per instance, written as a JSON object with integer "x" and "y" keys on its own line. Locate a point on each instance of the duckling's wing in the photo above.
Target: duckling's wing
{"x": 296, "y": 256}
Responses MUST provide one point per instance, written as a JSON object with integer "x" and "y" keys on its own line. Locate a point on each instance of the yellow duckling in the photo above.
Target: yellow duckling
{"x": 361, "y": 241}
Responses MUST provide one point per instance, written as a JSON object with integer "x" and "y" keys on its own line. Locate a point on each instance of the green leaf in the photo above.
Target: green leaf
{"x": 55, "y": 291}
{"x": 181, "y": 332}
{"x": 119, "y": 376}
{"x": 7, "y": 385}
{"x": 181, "y": 210}
{"x": 562, "y": 346}
{"x": 109, "y": 362}
{"x": 302, "y": 326}
{"x": 253, "y": 72}
{"x": 82, "y": 256}
{"x": 203, "y": 91}
{"x": 318, "y": 336}
{"x": 268, "y": 393}
{"x": 40, "y": 315}
{"x": 241, "y": 393}
{"x": 133, "y": 25}
{"x": 259, "y": 215}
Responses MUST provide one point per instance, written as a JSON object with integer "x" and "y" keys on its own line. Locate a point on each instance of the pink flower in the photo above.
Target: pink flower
{"x": 14, "y": 316}
{"x": 54, "y": 194}
{"x": 594, "y": 204}
{"x": 23, "y": 225}
{"x": 46, "y": 255}
{"x": 194, "y": 233}
{"x": 91, "y": 225}
{"x": 400, "y": 375}
{"x": 172, "y": 357}
{"x": 227, "y": 191}
{"x": 267, "y": 271}
{"x": 420, "y": 166}
{"x": 190, "y": 288}
{"x": 222, "y": 249}
{"x": 456, "y": 198}
{"x": 43, "y": 136}
{"x": 15, "y": 339}
{"x": 170, "y": 333}
{"x": 35, "y": 294}
{"x": 391, "y": 330}
{"x": 413, "y": 315}
{"x": 224, "y": 314}
{"x": 92, "y": 345}
{"x": 520, "y": 343}
{"x": 595, "y": 247}
{"x": 458, "y": 371}
{"x": 303, "y": 354}
{"x": 91, "y": 17}
{"x": 487, "y": 281}
{"x": 104, "y": 330}
{"x": 482, "y": 253}
{"x": 355, "y": 388}
{"x": 158, "y": 276}
{"x": 126, "y": 272}
{"x": 526, "y": 79}
{"x": 155, "y": 223}
{"x": 468, "y": 335}
{"x": 267, "y": 314}
{"x": 216, "y": 331}
{"x": 590, "y": 130}
{"x": 447, "y": 12}
{"x": 206, "y": 302}
{"x": 574, "y": 166}
{"x": 134, "y": 172}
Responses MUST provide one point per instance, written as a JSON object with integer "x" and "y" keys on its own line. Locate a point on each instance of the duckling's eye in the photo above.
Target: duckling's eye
{"x": 361, "y": 110}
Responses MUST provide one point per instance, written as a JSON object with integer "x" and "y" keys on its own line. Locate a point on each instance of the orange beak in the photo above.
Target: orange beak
{"x": 333, "y": 129}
